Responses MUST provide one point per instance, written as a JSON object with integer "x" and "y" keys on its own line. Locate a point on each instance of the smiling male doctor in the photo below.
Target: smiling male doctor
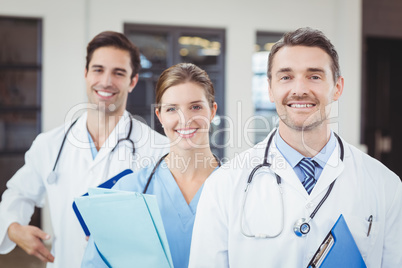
{"x": 304, "y": 79}
{"x": 86, "y": 160}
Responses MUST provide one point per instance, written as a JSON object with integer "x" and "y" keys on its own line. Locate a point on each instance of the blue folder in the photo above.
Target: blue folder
{"x": 127, "y": 228}
{"x": 108, "y": 185}
{"x": 339, "y": 249}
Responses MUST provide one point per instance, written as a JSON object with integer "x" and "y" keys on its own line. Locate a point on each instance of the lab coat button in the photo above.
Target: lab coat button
{"x": 309, "y": 205}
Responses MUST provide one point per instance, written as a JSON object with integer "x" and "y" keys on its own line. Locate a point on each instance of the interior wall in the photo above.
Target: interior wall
{"x": 63, "y": 53}
{"x": 69, "y": 25}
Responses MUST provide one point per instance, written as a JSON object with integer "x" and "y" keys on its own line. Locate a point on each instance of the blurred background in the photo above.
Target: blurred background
{"x": 42, "y": 61}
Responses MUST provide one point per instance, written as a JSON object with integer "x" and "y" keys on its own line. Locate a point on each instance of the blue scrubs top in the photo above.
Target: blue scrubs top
{"x": 177, "y": 216}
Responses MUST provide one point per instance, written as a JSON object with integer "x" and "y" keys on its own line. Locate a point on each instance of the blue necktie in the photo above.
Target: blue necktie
{"x": 308, "y": 168}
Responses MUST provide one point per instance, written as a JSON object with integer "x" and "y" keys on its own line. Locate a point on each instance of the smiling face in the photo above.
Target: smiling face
{"x": 302, "y": 87}
{"x": 186, "y": 115}
{"x": 108, "y": 79}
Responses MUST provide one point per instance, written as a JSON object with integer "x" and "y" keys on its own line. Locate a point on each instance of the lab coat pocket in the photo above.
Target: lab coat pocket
{"x": 359, "y": 227}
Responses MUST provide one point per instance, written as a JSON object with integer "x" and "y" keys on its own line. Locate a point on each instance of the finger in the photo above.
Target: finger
{"x": 40, "y": 257}
{"x": 41, "y": 234}
{"x": 45, "y": 253}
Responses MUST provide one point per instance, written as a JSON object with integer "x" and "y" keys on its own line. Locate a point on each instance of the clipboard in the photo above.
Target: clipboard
{"x": 338, "y": 249}
{"x": 108, "y": 185}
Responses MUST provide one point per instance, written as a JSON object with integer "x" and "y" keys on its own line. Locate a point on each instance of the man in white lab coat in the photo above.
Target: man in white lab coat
{"x": 104, "y": 141}
{"x": 312, "y": 165}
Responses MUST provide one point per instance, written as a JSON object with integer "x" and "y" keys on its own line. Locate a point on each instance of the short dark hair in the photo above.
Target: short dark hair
{"x": 116, "y": 40}
{"x": 183, "y": 73}
{"x": 310, "y": 38}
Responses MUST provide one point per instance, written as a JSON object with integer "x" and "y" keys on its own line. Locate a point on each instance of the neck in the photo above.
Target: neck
{"x": 190, "y": 169}
{"x": 191, "y": 164}
{"x": 100, "y": 125}
{"x": 307, "y": 142}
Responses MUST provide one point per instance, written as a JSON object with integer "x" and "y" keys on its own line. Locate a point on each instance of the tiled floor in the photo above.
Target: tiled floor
{"x": 19, "y": 259}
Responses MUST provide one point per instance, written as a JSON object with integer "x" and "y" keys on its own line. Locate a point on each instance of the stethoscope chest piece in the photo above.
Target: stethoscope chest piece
{"x": 52, "y": 177}
{"x": 301, "y": 227}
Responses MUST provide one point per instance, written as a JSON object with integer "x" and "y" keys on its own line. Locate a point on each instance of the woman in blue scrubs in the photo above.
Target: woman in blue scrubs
{"x": 185, "y": 107}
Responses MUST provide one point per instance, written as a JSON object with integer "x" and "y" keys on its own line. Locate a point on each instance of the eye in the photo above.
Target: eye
{"x": 170, "y": 109}
{"x": 196, "y": 107}
{"x": 120, "y": 74}
{"x": 97, "y": 70}
{"x": 315, "y": 77}
{"x": 285, "y": 77}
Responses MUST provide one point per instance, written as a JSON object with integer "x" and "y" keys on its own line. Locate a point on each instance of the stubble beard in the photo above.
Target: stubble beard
{"x": 317, "y": 117}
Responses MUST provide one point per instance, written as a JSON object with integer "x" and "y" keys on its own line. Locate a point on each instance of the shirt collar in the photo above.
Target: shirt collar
{"x": 293, "y": 157}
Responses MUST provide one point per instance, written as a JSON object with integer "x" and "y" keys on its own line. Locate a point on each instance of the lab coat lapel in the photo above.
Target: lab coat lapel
{"x": 281, "y": 167}
{"x": 79, "y": 139}
{"x": 119, "y": 132}
{"x": 331, "y": 171}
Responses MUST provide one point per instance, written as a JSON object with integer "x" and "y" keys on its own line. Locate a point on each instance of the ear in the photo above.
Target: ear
{"x": 270, "y": 94}
{"x": 133, "y": 83}
{"x": 338, "y": 89}
{"x": 213, "y": 111}
{"x": 157, "y": 112}
{"x": 85, "y": 72}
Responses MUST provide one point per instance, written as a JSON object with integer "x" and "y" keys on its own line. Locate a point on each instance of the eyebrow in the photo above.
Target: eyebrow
{"x": 311, "y": 70}
{"x": 96, "y": 66}
{"x": 115, "y": 69}
{"x": 120, "y": 70}
{"x": 171, "y": 104}
{"x": 284, "y": 70}
{"x": 316, "y": 70}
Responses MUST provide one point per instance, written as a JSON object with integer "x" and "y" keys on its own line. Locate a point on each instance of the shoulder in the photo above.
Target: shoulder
{"x": 143, "y": 135}
{"x": 236, "y": 171}
{"x": 52, "y": 137}
{"x": 371, "y": 174}
{"x": 374, "y": 167}
{"x": 135, "y": 181}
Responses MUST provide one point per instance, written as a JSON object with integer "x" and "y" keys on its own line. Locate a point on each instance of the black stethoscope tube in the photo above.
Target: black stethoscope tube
{"x": 62, "y": 144}
{"x": 157, "y": 165}
{"x": 52, "y": 178}
{"x": 302, "y": 222}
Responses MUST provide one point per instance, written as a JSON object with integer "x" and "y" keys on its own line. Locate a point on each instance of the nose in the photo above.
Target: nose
{"x": 299, "y": 87}
{"x": 186, "y": 117}
{"x": 106, "y": 79}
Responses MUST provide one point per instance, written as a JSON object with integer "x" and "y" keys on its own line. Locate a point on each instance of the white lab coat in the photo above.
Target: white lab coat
{"x": 77, "y": 171}
{"x": 363, "y": 187}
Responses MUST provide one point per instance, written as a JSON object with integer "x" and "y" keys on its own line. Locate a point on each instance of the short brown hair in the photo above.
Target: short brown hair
{"x": 310, "y": 38}
{"x": 182, "y": 73}
{"x": 116, "y": 40}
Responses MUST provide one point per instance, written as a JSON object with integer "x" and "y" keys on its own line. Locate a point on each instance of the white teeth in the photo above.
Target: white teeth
{"x": 104, "y": 93}
{"x": 301, "y": 105}
{"x": 186, "y": 132}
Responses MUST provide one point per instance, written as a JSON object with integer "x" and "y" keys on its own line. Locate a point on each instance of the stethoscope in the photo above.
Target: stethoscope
{"x": 52, "y": 178}
{"x": 302, "y": 226}
{"x": 157, "y": 165}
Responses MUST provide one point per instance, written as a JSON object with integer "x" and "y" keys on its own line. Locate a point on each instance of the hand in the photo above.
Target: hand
{"x": 29, "y": 238}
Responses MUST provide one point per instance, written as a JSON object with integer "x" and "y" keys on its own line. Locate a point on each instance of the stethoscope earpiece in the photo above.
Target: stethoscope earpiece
{"x": 301, "y": 227}
{"x": 52, "y": 178}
